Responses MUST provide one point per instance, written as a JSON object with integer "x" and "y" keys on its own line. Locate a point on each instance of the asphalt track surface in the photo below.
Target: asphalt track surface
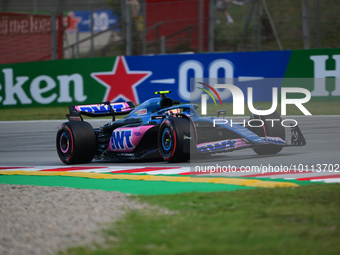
{"x": 32, "y": 143}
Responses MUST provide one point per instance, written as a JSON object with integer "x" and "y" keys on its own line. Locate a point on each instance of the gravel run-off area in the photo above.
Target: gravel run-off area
{"x": 45, "y": 220}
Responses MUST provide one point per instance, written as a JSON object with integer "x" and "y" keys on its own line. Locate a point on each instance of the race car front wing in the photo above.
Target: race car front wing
{"x": 297, "y": 139}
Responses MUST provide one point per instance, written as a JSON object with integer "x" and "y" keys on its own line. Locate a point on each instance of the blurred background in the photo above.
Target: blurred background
{"x": 34, "y": 30}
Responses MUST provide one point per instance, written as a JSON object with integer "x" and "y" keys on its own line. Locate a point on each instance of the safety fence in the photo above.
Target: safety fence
{"x": 27, "y": 37}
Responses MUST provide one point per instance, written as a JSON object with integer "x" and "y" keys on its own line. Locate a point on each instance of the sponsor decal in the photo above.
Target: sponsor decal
{"x": 135, "y": 78}
{"x": 25, "y": 24}
{"x": 172, "y": 112}
{"x": 100, "y": 108}
{"x": 72, "y": 22}
{"x": 320, "y": 75}
{"x": 217, "y": 146}
{"x": 187, "y": 137}
{"x": 275, "y": 140}
{"x": 137, "y": 133}
{"x": 126, "y": 139}
{"x": 81, "y": 21}
{"x": 141, "y": 112}
{"x": 245, "y": 140}
{"x": 121, "y": 139}
{"x": 42, "y": 89}
{"x": 126, "y": 154}
{"x": 295, "y": 135}
{"x": 121, "y": 72}
{"x": 75, "y": 118}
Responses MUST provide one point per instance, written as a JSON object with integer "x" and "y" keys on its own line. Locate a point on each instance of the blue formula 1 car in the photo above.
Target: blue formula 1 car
{"x": 162, "y": 128}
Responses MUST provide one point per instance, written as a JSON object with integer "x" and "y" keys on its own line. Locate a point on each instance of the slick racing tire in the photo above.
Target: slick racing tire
{"x": 76, "y": 142}
{"x": 268, "y": 130}
{"x": 174, "y": 140}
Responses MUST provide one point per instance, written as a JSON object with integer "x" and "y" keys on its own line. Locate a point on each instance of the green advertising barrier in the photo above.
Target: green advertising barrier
{"x": 59, "y": 82}
{"x": 135, "y": 78}
{"x": 315, "y": 70}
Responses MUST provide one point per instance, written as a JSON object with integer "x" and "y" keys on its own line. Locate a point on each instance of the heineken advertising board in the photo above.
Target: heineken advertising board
{"x": 135, "y": 78}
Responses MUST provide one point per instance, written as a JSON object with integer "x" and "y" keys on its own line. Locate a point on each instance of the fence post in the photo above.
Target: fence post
{"x": 54, "y": 35}
{"x": 77, "y": 46}
{"x": 305, "y": 24}
{"x": 246, "y": 23}
{"x": 211, "y": 25}
{"x": 200, "y": 25}
{"x": 123, "y": 18}
{"x": 318, "y": 24}
{"x": 163, "y": 45}
{"x": 92, "y": 32}
{"x": 35, "y": 6}
{"x": 259, "y": 25}
{"x": 253, "y": 28}
{"x": 128, "y": 29}
{"x": 144, "y": 28}
{"x": 272, "y": 24}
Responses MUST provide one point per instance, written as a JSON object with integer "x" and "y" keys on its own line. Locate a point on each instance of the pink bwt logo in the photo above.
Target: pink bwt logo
{"x": 238, "y": 99}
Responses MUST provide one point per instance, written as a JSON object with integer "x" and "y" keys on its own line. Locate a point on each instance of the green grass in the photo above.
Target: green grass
{"x": 34, "y": 113}
{"x": 302, "y": 220}
{"x": 58, "y": 112}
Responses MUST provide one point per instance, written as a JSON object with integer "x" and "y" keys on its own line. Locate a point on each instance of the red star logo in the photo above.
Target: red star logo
{"x": 72, "y": 22}
{"x": 121, "y": 82}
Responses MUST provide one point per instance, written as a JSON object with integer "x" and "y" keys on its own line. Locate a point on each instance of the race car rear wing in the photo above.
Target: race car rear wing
{"x": 100, "y": 110}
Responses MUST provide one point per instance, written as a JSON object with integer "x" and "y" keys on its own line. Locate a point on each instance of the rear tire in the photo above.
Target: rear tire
{"x": 174, "y": 140}
{"x": 267, "y": 130}
{"x": 76, "y": 142}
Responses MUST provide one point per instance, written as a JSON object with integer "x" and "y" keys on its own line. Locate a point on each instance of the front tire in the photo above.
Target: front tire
{"x": 268, "y": 130}
{"x": 174, "y": 140}
{"x": 76, "y": 142}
